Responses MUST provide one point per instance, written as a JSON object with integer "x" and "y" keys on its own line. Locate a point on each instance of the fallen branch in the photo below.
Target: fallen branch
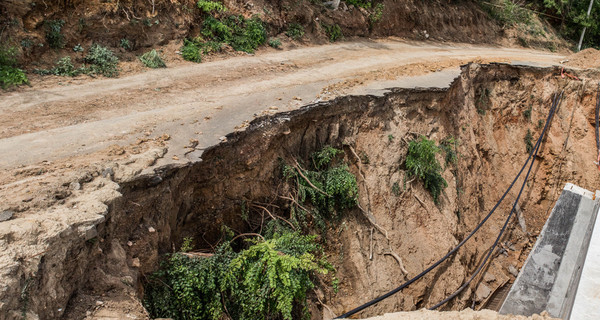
{"x": 248, "y": 235}
{"x": 272, "y": 215}
{"x": 197, "y": 254}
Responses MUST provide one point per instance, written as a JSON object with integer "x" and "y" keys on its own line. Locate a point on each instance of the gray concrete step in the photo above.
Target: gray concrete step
{"x": 549, "y": 279}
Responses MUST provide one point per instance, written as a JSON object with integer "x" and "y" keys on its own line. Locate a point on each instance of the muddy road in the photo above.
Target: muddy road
{"x": 62, "y": 117}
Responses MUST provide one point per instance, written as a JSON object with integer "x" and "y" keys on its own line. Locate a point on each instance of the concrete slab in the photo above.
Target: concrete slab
{"x": 550, "y": 276}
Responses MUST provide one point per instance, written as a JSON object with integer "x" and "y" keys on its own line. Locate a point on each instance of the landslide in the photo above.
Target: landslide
{"x": 161, "y": 23}
{"x": 88, "y": 251}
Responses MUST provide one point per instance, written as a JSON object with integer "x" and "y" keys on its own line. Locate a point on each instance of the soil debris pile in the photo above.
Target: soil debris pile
{"x": 588, "y": 58}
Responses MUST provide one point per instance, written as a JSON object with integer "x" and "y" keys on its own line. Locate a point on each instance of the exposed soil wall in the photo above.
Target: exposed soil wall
{"x": 88, "y": 255}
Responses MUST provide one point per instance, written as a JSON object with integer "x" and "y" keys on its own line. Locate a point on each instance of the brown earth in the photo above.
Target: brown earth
{"x": 588, "y": 58}
{"x": 95, "y": 239}
{"x": 163, "y": 25}
{"x": 467, "y": 314}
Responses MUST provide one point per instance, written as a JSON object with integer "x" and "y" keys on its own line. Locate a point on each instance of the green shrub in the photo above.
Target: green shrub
{"x": 360, "y": 3}
{"x": 78, "y": 48}
{"x": 334, "y": 32}
{"x": 54, "y": 37}
{"x": 377, "y": 13}
{"x": 241, "y": 34}
{"x": 102, "y": 61}
{"x": 125, "y": 44}
{"x": 211, "y": 6}
{"x": 509, "y": 13}
{"x": 295, "y": 31}
{"x": 268, "y": 280}
{"x": 421, "y": 163}
{"x": 275, "y": 43}
{"x": 10, "y": 75}
{"x": 448, "y": 145}
{"x": 527, "y": 113}
{"x": 152, "y": 59}
{"x": 191, "y": 52}
{"x": 336, "y": 187}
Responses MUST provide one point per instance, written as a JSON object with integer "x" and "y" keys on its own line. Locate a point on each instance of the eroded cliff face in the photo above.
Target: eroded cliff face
{"x": 90, "y": 254}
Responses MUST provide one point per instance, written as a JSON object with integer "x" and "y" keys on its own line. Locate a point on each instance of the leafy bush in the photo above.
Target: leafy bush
{"x": 191, "y": 52}
{"x": 152, "y": 59}
{"x": 10, "y": 75}
{"x": 242, "y": 34}
{"x": 360, "y": 3}
{"x": 421, "y": 163}
{"x": 125, "y": 44}
{"x": 54, "y": 37}
{"x": 295, "y": 31}
{"x": 377, "y": 13}
{"x": 78, "y": 48}
{"x": 102, "y": 61}
{"x": 274, "y": 42}
{"x": 64, "y": 67}
{"x": 329, "y": 186}
{"x": 448, "y": 145}
{"x": 573, "y": 18}
{"x": 334, "y": 32}
{"x": 211, "y": 6}
{"x": 265, "y": 281}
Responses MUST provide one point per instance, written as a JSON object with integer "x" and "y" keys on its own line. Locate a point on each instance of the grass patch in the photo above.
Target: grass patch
{"x": 421, "y": 163}
{"x": 152, "y": 59}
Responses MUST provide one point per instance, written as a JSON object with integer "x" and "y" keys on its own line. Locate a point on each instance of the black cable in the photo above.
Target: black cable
{"x": 537, "y": 146}
{"x": 437, "y": 263}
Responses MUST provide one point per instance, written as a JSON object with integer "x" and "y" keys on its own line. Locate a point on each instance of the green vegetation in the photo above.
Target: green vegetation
{"x": 376, "y": 14}
{"x": 334, "y": 32}
{"x": 573, "y": 18}
{"x": 528, "y": 141}
{"x": 508, "y": 13}
{"x": 448, "y": 145}
{"x": 421, "y": 163}
{"x": 211, "y": 6}
{"x": 295, "y": 31}
{"x": 152, "y": 59}
{"x": 390, "y": 137}
{"x": 125, "y": 44}
{"x": 78, "y": 48}
{"x": 360, "y": 3}
{"x": 396, "y": 189}
{"x": 10, "y": 75}
{"x": 328, "y": 186}
{"x": 191, "y": 52}
{"x": 54, "y": 37}
{"x": 527, "y": 113}
{"x": 64, "y": 67}
{"x": 274, "y": 42}
{"x": 267, "y": 280}
{"x": 240, "y": 33}
{"x": 102, "y": 61}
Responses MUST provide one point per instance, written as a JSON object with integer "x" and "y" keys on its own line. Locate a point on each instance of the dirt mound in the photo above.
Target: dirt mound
{"x": 588, "y": 58}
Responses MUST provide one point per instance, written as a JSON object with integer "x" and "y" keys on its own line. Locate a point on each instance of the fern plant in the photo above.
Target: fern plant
{"x": 422, "y": 163}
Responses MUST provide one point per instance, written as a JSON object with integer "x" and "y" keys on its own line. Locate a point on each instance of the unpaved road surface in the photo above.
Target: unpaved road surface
{"x": 205, "y": 101}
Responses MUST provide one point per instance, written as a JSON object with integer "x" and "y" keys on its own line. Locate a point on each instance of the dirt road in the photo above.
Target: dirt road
{"x": 206, "y": 101}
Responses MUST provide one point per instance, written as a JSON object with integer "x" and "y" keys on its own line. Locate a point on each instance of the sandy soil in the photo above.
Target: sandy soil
{"x": 466, "y": 314}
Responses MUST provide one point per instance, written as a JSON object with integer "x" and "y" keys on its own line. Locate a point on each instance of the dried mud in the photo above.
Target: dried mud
{"x": 85, "y": 252}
